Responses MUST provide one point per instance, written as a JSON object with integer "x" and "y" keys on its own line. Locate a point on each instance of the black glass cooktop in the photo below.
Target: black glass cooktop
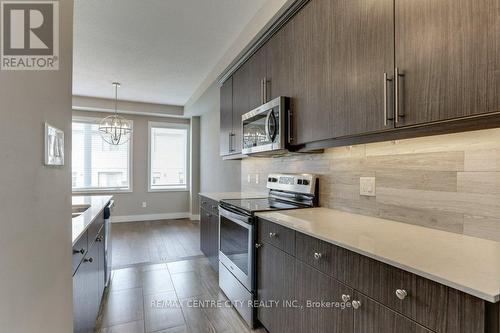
{"x": 260, "y": 205}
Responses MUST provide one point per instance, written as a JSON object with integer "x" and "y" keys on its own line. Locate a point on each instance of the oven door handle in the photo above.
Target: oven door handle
{"x": 242, "y": 220}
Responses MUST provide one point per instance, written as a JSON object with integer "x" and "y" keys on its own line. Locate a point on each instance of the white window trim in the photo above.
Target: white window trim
{"x": 156, "y": 124}
{"x": 109, "y": 190}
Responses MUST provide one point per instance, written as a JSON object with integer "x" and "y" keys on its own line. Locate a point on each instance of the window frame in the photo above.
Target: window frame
{"x": 110, "y": 190}
{"x": 187, "y": 127}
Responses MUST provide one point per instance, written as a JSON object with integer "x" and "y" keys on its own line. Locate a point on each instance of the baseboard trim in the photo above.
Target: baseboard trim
{"x": 194, "y": 217}
{"x": 150, "y": 217}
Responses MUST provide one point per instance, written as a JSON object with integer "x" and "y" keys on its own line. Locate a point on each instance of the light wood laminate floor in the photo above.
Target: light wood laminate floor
{"x": 160, "y": 298}
{"x": 154, "y": 242}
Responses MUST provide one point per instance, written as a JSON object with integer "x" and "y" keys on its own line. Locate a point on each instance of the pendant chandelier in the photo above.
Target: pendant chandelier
{"x": 114, "y": 129}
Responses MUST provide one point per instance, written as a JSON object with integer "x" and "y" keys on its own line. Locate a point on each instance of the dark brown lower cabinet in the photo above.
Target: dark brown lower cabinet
{"x": 214, "y": 242}
{"x": 205, "y": 231}
{"x": 275, "y": 282}
{"x": 209, "y": 236}
{"x": 321, "y": 297}
{"x": 373, "y": 317}
{"x": 319, "y": 275}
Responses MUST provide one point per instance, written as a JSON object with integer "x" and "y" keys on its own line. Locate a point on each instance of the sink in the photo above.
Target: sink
{"x": 78, "y": 210}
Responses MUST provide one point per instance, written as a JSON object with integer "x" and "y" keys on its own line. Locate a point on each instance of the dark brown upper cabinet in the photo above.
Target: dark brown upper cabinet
{"x": 247, "y": 92}
{"x": 226, "y": 118}
{"x": 447, "y": 53}
{"x": 311, "y": 72}
{"x": 279, "y": 63}
{"x": 362, "y": 65}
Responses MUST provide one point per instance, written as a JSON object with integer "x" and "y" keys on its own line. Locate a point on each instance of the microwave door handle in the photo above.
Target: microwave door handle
{"x": 268, "y": 135}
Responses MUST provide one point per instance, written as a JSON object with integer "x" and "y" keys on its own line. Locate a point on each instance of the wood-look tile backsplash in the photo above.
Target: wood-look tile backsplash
{"x": 448, "y": 182}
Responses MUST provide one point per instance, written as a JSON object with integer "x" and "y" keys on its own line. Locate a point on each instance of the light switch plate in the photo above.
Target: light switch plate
{"x": 367, "y": 186}
{"x": 144, "y": 204}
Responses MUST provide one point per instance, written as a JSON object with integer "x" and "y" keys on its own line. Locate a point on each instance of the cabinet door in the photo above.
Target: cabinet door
{"x": 247, "y": 92}
{"x": 101, "y": 262}
{"x": 373, "y": 317}
{"x": 362, "y": 51}
{"x": 275, "y": 282}
{"x": 80, "y": 307}
{"x": 205, "y": 232}
{"x": 214, "y": 242}
{"x": 226, "y": 117}
{"x": 316, "y": 287}
{"x": 311, "y": 72}
{"x": 448, "y": 52}
{"x": 279, "y": 63}
{"x": 86, "y": 293}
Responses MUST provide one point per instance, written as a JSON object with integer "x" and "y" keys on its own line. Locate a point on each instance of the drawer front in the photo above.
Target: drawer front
{"x": 431, "y": 304}
{"x": 325, "y": 257}
{"x": 277, "y": 235}
{"x": 79, "y": 251}
{"x": 373, "y": 317}
{"x": 381, "y": 282}
{"x": 209, "y": 205}
{"x": 95, "y": 227}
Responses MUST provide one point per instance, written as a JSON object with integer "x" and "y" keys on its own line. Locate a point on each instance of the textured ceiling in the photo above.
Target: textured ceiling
{"x": 160, "y": 50}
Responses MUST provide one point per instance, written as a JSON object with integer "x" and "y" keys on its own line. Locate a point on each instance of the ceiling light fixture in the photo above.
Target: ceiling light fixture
{"x": 114, "y": 129}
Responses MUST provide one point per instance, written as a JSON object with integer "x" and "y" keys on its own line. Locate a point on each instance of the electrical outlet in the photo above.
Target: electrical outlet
{"x": 367, "y": 186}
{"x": 256, "y": 178}
{"x": 249, "y": 179}
{"x": 144, "y": 204}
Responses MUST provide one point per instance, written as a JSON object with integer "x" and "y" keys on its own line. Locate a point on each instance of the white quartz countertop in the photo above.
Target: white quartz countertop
{"x": 218, "y": 196}
{"x": 469, "y": 264}
{"x": 82, "y": 222}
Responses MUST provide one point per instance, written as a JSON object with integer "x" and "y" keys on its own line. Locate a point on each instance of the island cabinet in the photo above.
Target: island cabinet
{"x": 88, "y": 277}
{"x": 209, "y": 231}
{"x": 338, "y": 290}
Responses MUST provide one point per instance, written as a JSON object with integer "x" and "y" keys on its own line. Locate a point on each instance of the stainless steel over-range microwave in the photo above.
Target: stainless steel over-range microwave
{"x": 266, "y": 129}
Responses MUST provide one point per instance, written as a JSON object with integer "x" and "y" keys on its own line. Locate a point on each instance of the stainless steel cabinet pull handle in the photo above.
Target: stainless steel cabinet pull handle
{"x": 317, "y": 255}
{"x": 290, "y": 128}
{"x": 99, "y": 239}
{"x": 273, "y": 235}
{"x": 386, "y": 116}
{"x": 401, "y": 294}
{"x": 397, "y": 75}
{"x": 81, "y": 251}
{"x": 261, "y": 91}
{"x": 345, "y": 298}
{"x": 356, "y": 304}
{"x": 265, "y": 90}
{"x": 258, "y": 245}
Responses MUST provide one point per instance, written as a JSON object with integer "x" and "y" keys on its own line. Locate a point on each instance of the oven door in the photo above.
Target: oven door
{"x": 263, "y": 128}
{"x": 236, "y": 239}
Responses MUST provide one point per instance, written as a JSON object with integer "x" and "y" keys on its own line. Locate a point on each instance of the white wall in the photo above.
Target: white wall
{"x": 35, "y": 201}
{"x": 130, "y": 204}
{"x": 216, "y": 175}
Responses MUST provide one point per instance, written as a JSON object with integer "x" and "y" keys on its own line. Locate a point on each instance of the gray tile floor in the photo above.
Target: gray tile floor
{"x": 154, "y": 241}
{"x": 161, "y": 297}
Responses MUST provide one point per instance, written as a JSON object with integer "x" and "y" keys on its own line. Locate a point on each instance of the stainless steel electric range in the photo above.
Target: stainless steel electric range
{"x": 237, "y": 235}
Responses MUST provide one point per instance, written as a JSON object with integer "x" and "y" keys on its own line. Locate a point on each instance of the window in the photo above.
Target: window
{"x": 168, "y": 156}
{"x": 97, "y": 165}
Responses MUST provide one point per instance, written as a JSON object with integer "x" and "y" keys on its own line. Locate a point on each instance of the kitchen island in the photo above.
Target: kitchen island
{"x": 91, "y": 250}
